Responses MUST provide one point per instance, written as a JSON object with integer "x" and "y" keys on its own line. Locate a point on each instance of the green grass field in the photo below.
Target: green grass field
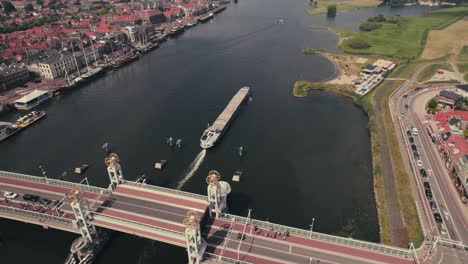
{"x": 404, "y": 40}
{"x": 463, "y": 53}
{"x": 463, "y": 67}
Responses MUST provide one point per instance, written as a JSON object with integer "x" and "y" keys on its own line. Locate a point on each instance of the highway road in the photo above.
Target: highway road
{"x": 405, "y": 106}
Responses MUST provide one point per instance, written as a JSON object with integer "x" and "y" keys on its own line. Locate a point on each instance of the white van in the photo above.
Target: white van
{"x": 415, "y": 131}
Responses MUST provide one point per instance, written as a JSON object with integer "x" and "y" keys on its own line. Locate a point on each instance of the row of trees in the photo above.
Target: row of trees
{"x": 24, "y": 26}
{"x": 377, "y": 22}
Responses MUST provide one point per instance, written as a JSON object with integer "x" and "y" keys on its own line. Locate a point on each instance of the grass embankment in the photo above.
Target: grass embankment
{"x": 447, "y": 41}
{"x": 405, "y": 39}
{"x": 430, "y": 70}
{"x": 466, "y": 77}
{"x": 301, "y": 88}
{"x": 342, "y": 6}
{"x": 402, "y": 179}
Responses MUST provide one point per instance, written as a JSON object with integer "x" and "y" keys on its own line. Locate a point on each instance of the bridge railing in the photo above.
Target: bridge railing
{"x": 36, "y": 215}
{"x": 66, "y": 184}
{"x": 221, "y": 259}
{"x": 166, "y": 190}
{"x": 384, "y": 249}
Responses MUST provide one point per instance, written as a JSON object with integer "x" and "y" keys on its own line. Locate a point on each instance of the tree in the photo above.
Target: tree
{"x": 40, "y": 2}
{"x": 432, "y": 104}
{"x": 8, "y": 7}
{"x": 331, "y": 11}
{"x": 103, "y": 10}
{"x": 369, "y": 26}
{"x": 357, "y": 43}
{"x": 29, "y": 7}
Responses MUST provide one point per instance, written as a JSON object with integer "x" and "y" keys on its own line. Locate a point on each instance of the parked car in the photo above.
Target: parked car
{"x": 413, "y": 147}
{"x": 405, "y": 95}
{"x": 427, "y": 186}
{"x": 44, "y": 201}
{"x": 10, "y": 195}
{"x": 423, "y": 172}
{"x": 419, "y": 162}
{"x": 411, "y": 140}
{"x": 416, "y": 155}
{"x": 433, "y": 205}
{"x": 31, "y": 197}
{"x": 428, "y": 194}
{"x": 438, "y": 218}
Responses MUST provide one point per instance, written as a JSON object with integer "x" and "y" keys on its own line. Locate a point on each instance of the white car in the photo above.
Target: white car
{"x": 419, "y": 162}
{"x": 415, "y": 131}
{"x": 10, "y": 195}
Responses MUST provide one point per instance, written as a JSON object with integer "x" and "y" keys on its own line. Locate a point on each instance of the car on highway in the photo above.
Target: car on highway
{"x": 405, "y": 95}
{"x": 413, "y": 147}
{"x": 416, "y": 155}
{"x": 433, "y": 205}
{"x": 31, "y": 197}
{"x": 423, "y": 172}
{"x": 406, "y": 106}
{"x": 428, "y": 194}
{"x": 415, "y": 131}
{"x": 10, "y": 195}
{"x": 44, "y": 201}
{"x": 411, "y": 140}
{"x": 419, "y": 162}
{"x": 427, "y": 186}
{"x": 408, "y": 132}
{"x": 438, "y": 218}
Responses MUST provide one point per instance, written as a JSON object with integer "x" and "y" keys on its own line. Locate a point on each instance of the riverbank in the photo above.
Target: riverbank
{"x": 321, "y": 5}
{"x": 400, "y": 37}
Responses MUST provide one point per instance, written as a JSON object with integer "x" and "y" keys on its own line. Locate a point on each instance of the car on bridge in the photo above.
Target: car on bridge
{"x": 31, "y": 197}
{"x": 44, "y": 201}
{"x": 411, "y": 140}
{"x": 433, "y": 205}
{"x": 428, "y": 194}
{"x": 10, "y": 195}
{"x": 416, "y": 155}
{"x": 427, "y": 186}
{"x": 419, "y": 162}
{"x": 413, "y": 147}
{"x": 423, "y": 172}
{"x": 438, "y": 218}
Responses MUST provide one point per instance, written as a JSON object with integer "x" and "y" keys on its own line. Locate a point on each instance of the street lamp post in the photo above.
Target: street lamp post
{"x": 44, "y": 173}
{"x": 312, "y": 227}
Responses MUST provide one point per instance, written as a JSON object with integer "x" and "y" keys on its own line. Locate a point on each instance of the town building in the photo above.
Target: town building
{"x": 13, "y": 75}
{"x": 448, "y": 98}
{"x": 52, "y": 64}
{"x": 151, "y": 16}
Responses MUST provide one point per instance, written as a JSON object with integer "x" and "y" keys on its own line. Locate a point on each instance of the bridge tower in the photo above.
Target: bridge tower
{"x": 195, "y": 244}
{"x": 114, "y": 170}
{"x": 82, "y": 214}
{"x": 217, "y": 193}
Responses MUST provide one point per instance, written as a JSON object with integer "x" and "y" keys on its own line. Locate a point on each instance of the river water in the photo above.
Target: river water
{"x": 304, "y": 158}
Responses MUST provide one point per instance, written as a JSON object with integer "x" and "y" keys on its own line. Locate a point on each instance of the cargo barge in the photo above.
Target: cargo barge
{"x": 219, "y": 126}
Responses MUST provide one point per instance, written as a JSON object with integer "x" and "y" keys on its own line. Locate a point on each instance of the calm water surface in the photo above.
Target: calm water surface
{"x": 305, "y": 158}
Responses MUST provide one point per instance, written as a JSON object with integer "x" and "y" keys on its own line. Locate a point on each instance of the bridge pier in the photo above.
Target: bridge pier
{"x": 217, "y": 193}
{"x": 196, "y": 246}
{"x": 84, "y": 249}
{"x": 114, "y": 170}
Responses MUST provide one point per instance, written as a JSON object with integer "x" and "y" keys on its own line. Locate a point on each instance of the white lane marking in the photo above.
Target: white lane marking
{"x": 440, "y": 261}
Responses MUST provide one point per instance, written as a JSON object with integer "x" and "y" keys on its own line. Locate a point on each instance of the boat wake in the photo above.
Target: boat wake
{"x": 192, "y": 168}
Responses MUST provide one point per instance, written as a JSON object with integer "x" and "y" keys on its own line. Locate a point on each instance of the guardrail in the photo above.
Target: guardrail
{"x": 388, "y": 250}
{"x": 167, "y": 190}
{"x": 36, "y": 215}
{"x": 66, "y": 184}
{"x": 221, "y": 259}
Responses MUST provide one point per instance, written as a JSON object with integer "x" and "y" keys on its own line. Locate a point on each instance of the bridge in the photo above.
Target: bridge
{"x": 196, "y": 222}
